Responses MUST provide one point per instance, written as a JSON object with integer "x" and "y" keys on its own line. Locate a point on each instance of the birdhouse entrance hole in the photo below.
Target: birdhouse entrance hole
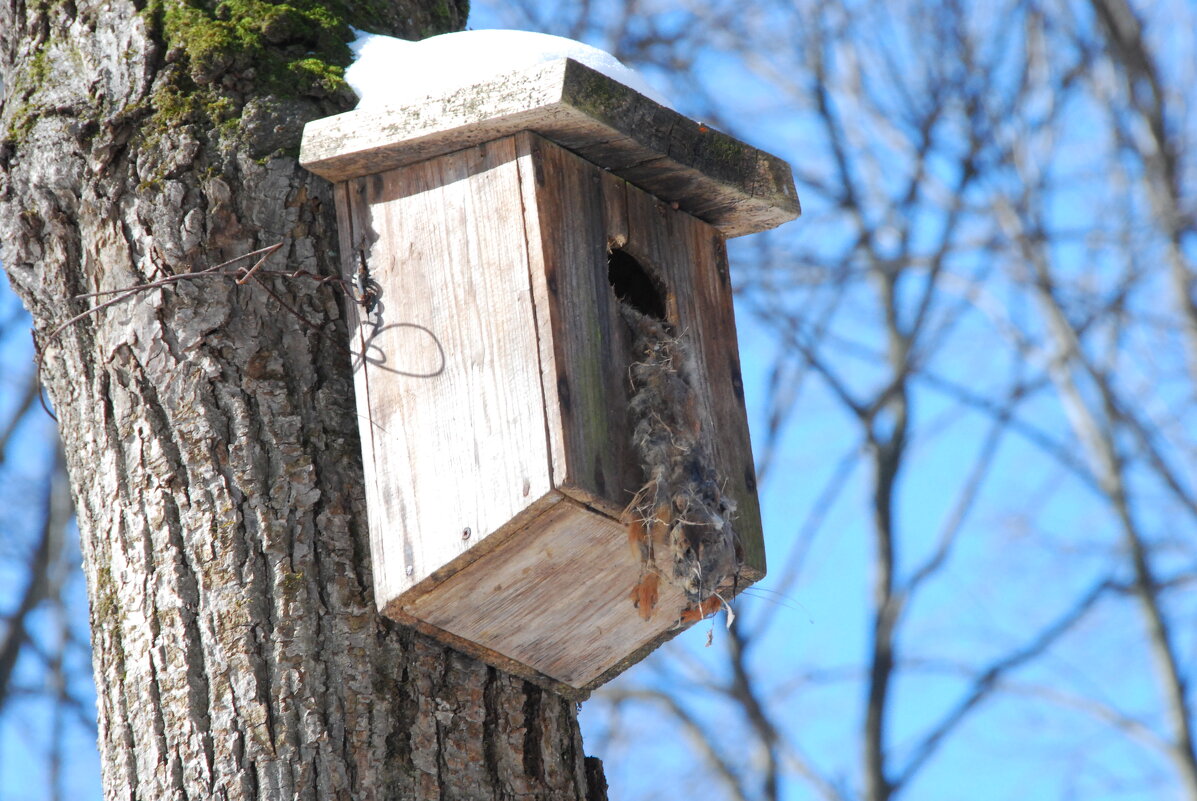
{"x": 634, "y": 285}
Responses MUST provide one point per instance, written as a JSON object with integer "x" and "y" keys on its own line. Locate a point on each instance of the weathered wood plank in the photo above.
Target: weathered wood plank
{"x": 554, "y": 596}
{"x": 580, "y": 212}
{"x": 586, "y": 355}
{"x": 717, "y": 178}
{"x": 455, "y": 416}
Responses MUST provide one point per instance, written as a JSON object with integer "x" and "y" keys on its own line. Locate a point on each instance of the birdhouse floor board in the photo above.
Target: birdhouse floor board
{"x": 553, "y": 596}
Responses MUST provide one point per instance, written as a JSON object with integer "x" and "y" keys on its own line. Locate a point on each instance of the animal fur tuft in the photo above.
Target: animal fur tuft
{"x": 680, "y": 521}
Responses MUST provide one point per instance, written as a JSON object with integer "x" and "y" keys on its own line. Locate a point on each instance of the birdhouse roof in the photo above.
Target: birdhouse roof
{"x": 715, "y": 177}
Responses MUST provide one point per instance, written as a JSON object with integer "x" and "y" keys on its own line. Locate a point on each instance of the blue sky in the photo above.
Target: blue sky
{"x": 1035, "y": 539}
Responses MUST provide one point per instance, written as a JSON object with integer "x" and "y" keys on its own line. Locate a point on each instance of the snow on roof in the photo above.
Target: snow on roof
{"x": 387, "y": 71}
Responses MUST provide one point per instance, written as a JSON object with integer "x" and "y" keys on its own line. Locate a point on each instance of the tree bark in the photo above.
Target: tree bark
{"x": 211, "y": 433}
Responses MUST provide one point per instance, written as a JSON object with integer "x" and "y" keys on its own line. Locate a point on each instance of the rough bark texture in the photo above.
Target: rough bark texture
{"x": 211, "y": 435}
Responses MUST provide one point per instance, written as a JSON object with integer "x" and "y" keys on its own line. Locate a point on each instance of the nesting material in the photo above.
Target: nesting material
{"x": 680, "y": 522}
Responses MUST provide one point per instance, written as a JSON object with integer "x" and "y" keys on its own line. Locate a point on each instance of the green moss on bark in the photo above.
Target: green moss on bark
{"x": 27, "y": 110}
{"x": 265, "y": 40}
{"x": 246, "y": 72}
{"x": 221, "y": 55}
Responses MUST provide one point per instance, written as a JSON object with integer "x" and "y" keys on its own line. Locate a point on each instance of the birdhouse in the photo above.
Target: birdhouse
{"x": 557, "y": 463}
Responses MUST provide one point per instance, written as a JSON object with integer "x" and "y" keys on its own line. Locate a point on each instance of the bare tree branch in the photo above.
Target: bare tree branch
{"x": 988, "y": 680}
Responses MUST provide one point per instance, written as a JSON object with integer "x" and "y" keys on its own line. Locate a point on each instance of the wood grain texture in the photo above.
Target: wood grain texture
{"x": 493, "y": 386}
{"x": 586, "y": 353}
{"x": 455, "y": 449}
{"x": 731, "y": 185}
{"x": 581, "y": 211}
{"x": 692, "y": 258}
{"x": 554, "y": 596}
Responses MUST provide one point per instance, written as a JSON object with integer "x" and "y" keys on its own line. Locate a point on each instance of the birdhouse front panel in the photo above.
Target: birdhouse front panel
{"x": 558, "y": 471}
{"x": 448, "y": 374}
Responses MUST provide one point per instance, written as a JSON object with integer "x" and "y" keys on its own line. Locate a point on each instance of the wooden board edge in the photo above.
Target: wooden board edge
{"x": 632, "y": 659}
{"x": 750, "y": 574}
{"x": 589, "y": 500}
{"x": 490, "y": 657}
{"x": 642, "y": 653}
{"x": 375, "y": 142}
{"x": 526, "y": 167}
{"x": 710, "y": 174}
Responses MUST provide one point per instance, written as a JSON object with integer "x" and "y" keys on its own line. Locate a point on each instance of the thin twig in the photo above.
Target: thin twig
{"x": 129, "y": 292}
{"x": 241, "y": 275}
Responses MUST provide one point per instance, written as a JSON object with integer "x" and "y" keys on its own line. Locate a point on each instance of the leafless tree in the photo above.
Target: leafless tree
{"x": 209, "y": 427}
{"x": 988, "y": 313}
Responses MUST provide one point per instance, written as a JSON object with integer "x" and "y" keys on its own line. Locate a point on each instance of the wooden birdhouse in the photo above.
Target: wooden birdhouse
{"x": 558, "y": 471}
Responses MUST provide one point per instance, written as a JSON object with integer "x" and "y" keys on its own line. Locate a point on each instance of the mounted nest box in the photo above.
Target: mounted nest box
{"x": 557, "y": 463}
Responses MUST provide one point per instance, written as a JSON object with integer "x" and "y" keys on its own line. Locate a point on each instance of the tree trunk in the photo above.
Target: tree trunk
{"x": 211, "y": 432}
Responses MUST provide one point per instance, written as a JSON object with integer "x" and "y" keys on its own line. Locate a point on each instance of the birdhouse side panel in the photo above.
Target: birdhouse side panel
{"x": 583, "y": 215}
{"x": 454, "y": 441}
